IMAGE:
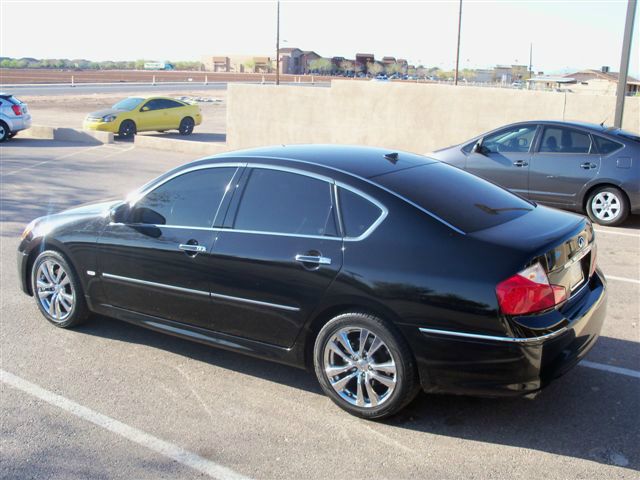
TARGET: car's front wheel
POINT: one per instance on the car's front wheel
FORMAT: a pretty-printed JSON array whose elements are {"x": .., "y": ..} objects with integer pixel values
[
  {"x": 127, "y": 129},
  {"x": 365, "y": 366},
  {"x": 57, "y": 290},
  {"x": 608, "y": 206},
  {"x": 186, "y": 126}
]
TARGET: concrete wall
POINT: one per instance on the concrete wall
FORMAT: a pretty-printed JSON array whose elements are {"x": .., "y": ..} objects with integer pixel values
[{"x": 413, "y": 117}]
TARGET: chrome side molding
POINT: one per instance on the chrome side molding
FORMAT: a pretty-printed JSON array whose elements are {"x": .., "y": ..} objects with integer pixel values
[{"x": 478, "y": 336}]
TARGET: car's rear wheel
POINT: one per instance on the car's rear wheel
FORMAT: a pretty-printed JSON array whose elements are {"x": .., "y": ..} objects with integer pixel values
[
  {"x": 608, "y": 206},
  {"x": 186, "y": 126},
  {"x": 57, "y": 290},
  {"x": 127, "y": 129},
  {"x": 4, "y": 132},
  {"x": 365, "y": 366}
]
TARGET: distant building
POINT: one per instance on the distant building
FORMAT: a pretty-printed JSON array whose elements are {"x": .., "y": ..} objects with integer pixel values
[
  {"x": 602, "y": 82},
  {"x": 362, "y": 59},
  {"x": 551, "y": 82},
  {"x": 484, "y": 75},
  {"x": 237, "y": 63}
]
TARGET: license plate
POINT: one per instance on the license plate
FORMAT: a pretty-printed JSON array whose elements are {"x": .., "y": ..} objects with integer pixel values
[{"x": 575, "y": 275}]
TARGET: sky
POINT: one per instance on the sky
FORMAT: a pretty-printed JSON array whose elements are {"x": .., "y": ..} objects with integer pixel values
[{"x": 566, "y": 35}]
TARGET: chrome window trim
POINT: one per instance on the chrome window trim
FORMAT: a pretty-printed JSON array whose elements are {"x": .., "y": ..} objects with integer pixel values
[
  {"x": 148, "y": 187},
  {"x": 199, "y": 292},
  {"x": 477, "y": 336},
  {"x": 377, "y": 185},
  {"x": 383, "y": 212},
  {"x": 278, "y": 234}
]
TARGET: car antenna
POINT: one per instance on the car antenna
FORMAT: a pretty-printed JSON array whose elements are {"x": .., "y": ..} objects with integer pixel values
[{"x": 392, "y": 157}]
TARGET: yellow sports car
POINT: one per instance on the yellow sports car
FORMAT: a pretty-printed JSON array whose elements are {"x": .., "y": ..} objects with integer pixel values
[{"x": 137, "y": 114}]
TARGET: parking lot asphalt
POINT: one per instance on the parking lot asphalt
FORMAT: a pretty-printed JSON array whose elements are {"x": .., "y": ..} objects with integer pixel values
[{"x": 112, "y": 400}]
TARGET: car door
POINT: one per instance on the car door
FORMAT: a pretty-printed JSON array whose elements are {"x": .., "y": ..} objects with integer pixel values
[
  {"x": 279, "y": 253},
  {"x": 155, "y": 262},
  {"x": 150, "y": 116},
  {"x": 503, "y": 157},
  {"x": 563, "y": 162}
]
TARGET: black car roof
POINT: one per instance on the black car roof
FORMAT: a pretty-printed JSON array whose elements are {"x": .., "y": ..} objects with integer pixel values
[{"x": 366, "y": 162}]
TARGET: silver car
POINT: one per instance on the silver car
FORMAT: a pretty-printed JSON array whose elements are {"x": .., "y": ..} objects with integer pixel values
[
  {"x": 575, "y": 166},
  {"x": 14, "y": 116}
]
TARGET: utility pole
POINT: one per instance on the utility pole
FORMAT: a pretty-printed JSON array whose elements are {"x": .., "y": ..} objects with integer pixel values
[
  {"x": 624, "y": 63},
  {"x": 530, "y": 60},
  {"x": 278, "y": 46},
  {"x": 455, "y": 80}
]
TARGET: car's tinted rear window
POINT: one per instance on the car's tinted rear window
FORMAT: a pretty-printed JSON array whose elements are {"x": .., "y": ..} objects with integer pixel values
[{"x": 457, "y": 197}]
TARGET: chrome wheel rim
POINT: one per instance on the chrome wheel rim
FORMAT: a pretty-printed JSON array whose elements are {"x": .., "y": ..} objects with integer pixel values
[
  {"x": 606, "y": 206},
  {"x": 360, "y": 367},
  {"x": 2, "y": 131},
  {"x": 54, "y": 289}
]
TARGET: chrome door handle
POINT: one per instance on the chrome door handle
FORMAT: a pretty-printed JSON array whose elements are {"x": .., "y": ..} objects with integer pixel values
[
  {"x": 313, "y": 259},
  {"x": 588, "y": 165},
  {"x": 192, "y": 248},
  {"x": 520, "y": 163}
]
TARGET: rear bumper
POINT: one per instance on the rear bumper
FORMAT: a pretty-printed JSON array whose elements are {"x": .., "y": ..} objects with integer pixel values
[
  {"x": 17, "y": 124},
  {"x": 497, "y": 366}
]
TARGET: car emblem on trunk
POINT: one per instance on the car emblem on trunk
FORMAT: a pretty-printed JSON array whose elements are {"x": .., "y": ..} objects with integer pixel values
[{"x": 581, "y": 242}]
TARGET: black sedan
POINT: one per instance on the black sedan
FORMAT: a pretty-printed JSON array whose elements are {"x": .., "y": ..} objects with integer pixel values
[
  {"x": 571, "y": 165},
  {"x": 384, "y": 271}
]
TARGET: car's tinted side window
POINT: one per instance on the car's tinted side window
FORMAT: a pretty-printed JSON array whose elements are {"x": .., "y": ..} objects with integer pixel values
[
  {"x": 564, "y": 140},
  {"x": 166, "y": 103},
  {"x": 515, "y": 139},
  {"x": 358, "y": 213},
  {"x": 284, "y": 202},
  {"x": 153, "y": 105},
  {"x": 189, "y": 200},
  {"x": 605, "y": 147}
]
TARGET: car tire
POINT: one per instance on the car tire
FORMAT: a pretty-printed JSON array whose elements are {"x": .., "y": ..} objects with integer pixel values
[
  {"x": 375, "y": 374},
  {"x": 127, "y": 129},
  {"x": 608, "y": 206},
  {"x": 57, "y": 290},
  {"x": 4, "y": 132},
  {"x": 186, "y": 126}
]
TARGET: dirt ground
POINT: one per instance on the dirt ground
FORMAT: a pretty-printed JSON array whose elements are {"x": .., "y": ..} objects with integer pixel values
[{"x": 70, "y": 111}]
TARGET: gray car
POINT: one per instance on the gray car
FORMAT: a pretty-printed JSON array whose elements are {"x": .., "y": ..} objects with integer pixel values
[
  {"x": 575, "y": 166},
  {"x": 14, "y": 116}
]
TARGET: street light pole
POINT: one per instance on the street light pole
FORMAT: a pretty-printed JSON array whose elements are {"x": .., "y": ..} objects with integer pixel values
[
  {"x": 455, "y": 80},
  {"x": 278, "y": 46},
  {"x": 624, "y": 63}
]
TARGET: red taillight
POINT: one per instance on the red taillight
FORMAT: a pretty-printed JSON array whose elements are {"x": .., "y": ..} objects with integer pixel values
[
  {"x": 528, "y": 292},
  {"x": 17, "y": 110}
]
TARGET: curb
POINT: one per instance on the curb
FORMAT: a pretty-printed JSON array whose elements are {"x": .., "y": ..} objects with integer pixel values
[
  {"x": 68, "y": 135},
  {"x": 182, "y": 146}
]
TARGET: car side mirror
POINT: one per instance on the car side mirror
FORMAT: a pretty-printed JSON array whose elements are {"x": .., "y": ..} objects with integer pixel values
[
  {"x": 477, "y": 148},
  {"x": 144, "y": 109},
  {"x": 120, "y": 213}
]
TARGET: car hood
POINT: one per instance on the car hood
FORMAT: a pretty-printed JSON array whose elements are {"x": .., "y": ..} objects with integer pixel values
[
  {"x": 94, "y": 211},
  {"x": 106, "y": 111}
]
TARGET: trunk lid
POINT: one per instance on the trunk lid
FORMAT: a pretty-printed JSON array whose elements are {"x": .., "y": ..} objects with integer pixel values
[{"x": 562, "y": 242}]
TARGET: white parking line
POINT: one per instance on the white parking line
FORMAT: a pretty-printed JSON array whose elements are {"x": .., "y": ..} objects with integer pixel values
[
  {"x": 609, "y": 232},
  {"x": 622, "y": 279},
  {"x": 84, "y": 150},
  {"x": 610, "y": 368},
  {"x": 156, "y": 444}
]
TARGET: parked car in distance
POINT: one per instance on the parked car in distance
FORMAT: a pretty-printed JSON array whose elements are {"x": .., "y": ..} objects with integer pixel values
[
  {"x": 139, "y": 114},
  {"x": 355, "y": 262},
  {"x": 575, "y": 166},
  {"x": 14, "y": 116}
]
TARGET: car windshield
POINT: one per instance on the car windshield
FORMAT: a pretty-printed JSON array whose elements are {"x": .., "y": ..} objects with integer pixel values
[
  {"x": 128, "y": 103},
  {"x": 459, "y": 198}
]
